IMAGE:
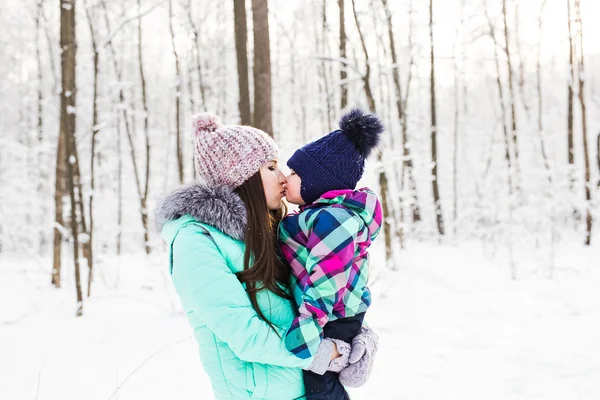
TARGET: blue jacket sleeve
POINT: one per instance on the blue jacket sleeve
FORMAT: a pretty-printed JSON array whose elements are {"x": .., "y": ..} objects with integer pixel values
[{"x": 207, "y": 286}]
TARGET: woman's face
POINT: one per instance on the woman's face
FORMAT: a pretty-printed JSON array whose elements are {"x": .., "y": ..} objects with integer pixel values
[
  {"x": 293, "y": 189},
  {"x": 274, "y": 184}
]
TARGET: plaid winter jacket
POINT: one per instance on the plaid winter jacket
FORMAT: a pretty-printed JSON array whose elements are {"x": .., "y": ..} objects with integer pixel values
[{"x": 326, "y": 246}]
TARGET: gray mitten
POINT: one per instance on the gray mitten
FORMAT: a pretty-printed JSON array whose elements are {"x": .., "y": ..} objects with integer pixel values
[
  {"x": 364, "y": 348},
  {"x": 322, "y": 360},
  {"x": 343, "y": 361}
]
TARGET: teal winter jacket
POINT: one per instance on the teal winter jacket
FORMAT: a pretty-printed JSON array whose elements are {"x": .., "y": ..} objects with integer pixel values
[{"x": 243, "y": 356}]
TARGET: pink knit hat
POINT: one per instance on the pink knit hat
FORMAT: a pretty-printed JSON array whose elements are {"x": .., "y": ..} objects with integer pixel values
[{"x": 229, "y": 154}]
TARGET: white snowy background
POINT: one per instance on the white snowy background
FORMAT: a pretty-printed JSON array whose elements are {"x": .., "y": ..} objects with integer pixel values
[{"x": 505, "y": 305}]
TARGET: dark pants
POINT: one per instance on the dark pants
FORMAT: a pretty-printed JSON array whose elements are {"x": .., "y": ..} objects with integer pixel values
[{"x": 328, "y": 386}]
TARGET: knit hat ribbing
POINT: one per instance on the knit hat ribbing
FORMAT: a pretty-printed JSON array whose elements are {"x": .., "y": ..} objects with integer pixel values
[{"x": 229, "y": 154}]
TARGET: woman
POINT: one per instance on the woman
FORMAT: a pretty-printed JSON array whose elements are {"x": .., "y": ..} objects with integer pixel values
[{"x": 224, "y": 265}]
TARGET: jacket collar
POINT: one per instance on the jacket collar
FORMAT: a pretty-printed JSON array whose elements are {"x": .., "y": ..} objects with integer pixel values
[{"x": 217, "y": 206}]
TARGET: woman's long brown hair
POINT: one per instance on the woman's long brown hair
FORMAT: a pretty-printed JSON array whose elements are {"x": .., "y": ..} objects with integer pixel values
[{"x": 263, "y": 268}]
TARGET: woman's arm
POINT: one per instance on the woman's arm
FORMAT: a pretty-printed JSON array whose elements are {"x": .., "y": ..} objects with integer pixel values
[{"x": 213, "y": 292}]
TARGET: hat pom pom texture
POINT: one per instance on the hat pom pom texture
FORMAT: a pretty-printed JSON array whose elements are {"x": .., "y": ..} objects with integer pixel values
[
  {"x": 205, "y": 122},
  {"x": 362, "y": 129}
]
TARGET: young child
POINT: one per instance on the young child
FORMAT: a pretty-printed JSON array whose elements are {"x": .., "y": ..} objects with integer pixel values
[{"x": 326, "y": 244}]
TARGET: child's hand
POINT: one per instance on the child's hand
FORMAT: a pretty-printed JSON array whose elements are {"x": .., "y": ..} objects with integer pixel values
[
  {"x": 335, "y": 353},
  {"x": 340, "y": 355},
  {"x": 332, "y": 355},
  {"x": 364, "y": 348}
]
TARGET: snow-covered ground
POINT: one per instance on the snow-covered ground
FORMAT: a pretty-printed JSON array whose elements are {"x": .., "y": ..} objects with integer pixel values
[{"x": 453, "y": 325}]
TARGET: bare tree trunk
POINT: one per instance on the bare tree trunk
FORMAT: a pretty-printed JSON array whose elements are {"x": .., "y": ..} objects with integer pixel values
[
  {"x": 82, "y": 230},
  {"x": 521, "y": 78},
  {"x": 367, "y": 75},
  {"x": 343, "y": 73},
  {"x": 143, "y": 193},
  {"x": 303, "y": 102},
  {"x": 383, "y": 180},
  {"x": 95, "y": 131},
  {"x": 190, "y": 86},
  {"x": 400, "y": 105},
  {"x": 198, "y": 48},
  {"x": 262, "y": 67},
  {"x": 513, "y": 117},
  {"x": 119, "y": 187},
  {"x": 59, "y": 192},
  {"x": 540, "y": 107},
  {"x": 223, "y": 63},
  {"x": 192, "y": 98},
  {"x": 325, "y": 69},
  {"x": 570, "y": 99},
  {"x": 434, "y": 181},
  {"x": 40, "y": 158},
  {"x": 502, "y": 105},
  {"x": 294, "y": 75},
  {"x": 51, "y": 44},
  {"x": 456, "y": 122},
  {"x": 180, "y": 167},
  {"x": 241, "y": 40},
  {"x": 124, "y": 115},
  {"x": 455, "y": 151},
  {"x": 77, "y": 217},
  {"x": 319, "y": 40},
  {"x": 598, "y": 156},
  {"x": 25, "y": 140},
  {"x": 408, "y": 157},
  {"x": 68, "y": 44},
  {"x": 581, "y": 78},
  {"x": 119, "y": 145}
]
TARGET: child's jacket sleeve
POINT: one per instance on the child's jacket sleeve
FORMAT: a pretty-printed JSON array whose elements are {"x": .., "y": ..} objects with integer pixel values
[{"x": 320, "y": 252}]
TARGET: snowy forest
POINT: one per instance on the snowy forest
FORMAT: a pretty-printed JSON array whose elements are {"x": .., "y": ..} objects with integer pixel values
[{"x": 488, "y": 175}]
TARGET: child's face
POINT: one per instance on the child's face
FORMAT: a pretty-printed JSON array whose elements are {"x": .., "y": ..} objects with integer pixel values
[
  {"x": 293, "y": 189},
  {"x": 273, "y": 184}
]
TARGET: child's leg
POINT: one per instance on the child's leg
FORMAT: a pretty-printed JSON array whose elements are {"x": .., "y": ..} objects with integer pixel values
[
  {"x": 328, "y": 386},
  {"x": 324, "y": 387}
]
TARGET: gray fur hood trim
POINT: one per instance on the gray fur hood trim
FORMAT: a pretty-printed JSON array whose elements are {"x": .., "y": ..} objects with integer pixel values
[{"x": 216, "y": 206}]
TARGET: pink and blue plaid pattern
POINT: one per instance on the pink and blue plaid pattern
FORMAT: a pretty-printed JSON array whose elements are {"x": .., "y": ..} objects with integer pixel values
[{"x": 326, "y": 246}]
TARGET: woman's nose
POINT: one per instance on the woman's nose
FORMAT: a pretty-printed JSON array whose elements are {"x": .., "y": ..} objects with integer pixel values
[{"x": 282, "y": 178}]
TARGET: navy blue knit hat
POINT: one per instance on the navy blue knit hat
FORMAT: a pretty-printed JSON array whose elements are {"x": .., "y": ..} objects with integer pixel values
[{"x": 337, "y": 161}]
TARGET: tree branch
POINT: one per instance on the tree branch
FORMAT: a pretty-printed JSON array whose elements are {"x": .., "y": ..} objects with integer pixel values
[{"x": 125, "y": 22}]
